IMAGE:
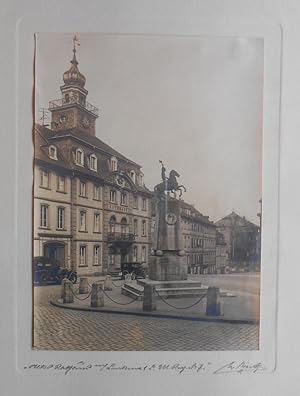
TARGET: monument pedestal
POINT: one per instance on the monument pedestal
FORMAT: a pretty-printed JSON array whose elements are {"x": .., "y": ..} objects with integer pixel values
[{"x": 168, "y": 267}]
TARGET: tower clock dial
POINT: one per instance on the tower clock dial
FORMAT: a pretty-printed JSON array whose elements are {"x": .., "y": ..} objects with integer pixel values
[{"x": 63, "y": 119}]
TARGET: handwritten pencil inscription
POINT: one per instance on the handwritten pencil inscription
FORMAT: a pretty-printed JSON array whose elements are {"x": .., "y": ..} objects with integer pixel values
[{"x": 232, "y": 367}]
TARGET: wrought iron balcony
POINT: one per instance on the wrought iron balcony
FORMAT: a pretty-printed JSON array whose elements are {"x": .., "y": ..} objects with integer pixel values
[
  {"x": 120, "y": 237},
  {"x": 57, "y": 103}
]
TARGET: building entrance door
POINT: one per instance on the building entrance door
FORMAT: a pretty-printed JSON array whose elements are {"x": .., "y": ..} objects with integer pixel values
[{"x": 55, "y": 250}]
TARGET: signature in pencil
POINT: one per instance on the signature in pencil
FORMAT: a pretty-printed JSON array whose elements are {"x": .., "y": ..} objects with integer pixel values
[{"x": 240, "y": 368}]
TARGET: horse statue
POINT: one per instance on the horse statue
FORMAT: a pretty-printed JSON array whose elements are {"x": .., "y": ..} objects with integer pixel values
[{"x": 169, "y": 184}]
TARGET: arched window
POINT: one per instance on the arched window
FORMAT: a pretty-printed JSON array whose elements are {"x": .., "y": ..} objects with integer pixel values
[
  {"x": 79, "y": 157},
  {"x": 112, "y": 224},
  {"x": 124, "y": 225},
  {"x": 93, "y": 162},
  {"x": 113, "y": 164},
  {"x": 67, "y": 98},
  {"x": 53, "y": 152}
]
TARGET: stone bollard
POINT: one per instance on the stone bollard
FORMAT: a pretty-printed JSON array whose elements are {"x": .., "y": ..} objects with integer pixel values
[
  {"x": 212, "y": 302},
  {"x": 83, "y": 286},
  {"x": 128, "y": 278},
  {"x": 149, "y": 300},
  {"x": 67, "y": 292},
  {"x": 97, "y": 296},
  {"x": 108, "y": 283}
]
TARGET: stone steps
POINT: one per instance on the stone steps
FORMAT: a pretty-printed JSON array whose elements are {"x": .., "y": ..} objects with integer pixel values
[
  {"x": 171, "y": 284},
  {"x": 135, "y": 290}
]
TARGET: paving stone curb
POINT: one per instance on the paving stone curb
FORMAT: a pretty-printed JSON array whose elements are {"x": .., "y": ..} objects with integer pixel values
[{"x": 75, "y": 307}]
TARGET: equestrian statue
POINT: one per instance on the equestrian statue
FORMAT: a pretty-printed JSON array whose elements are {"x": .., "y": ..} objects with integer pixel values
[{"x": 168, "y": 184}]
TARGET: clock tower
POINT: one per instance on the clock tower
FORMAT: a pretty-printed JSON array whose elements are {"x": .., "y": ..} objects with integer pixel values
[{"x": 73, "y": 110}]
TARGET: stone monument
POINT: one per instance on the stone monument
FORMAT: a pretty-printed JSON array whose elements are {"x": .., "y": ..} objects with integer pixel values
[
  {"x": 167, "y": 264},
  {"x": 168, "y": 261}
]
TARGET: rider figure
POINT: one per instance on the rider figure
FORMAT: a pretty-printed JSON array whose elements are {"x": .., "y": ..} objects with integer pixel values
[{"x": 163, "y": 171}]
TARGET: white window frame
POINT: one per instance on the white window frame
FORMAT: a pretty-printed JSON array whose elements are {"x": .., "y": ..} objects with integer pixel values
[
  {"x": 144, "y": 204},
  {"x": 141, "y": 179},
  {"x": 97, "y": 192},
  {"x": 82, "y": 220},
  {"x": 82, "y": 255},
  {"x": 93, "y": 162},
  {"x": 112, "y": 194},
  {"x": 124, "y": 198},
  {"x": 61, "y": 213},
  {"x": 135, "y": 227},
  {"x": 44, "y": 216},
  {"x": 135, "y": 254},
  {"x": 54, "y": 156},
  {"x": 143, "y": 253},
  {"x": 59, "y": 177},
  {"x": 144, "y": 228},
  {"x": 79, "y": 161},
  {"x": 133, "y": 176},
  {"x": 45, "y": 178},
  {"x": 135, "y": 202},
  {"x": 96, "y": 254},
  {"x": 97, "y": 222},
  {"x": 82, "y": 188},
  {"x": 113, "y": 164},
  {"x": 112, "y": 225}
]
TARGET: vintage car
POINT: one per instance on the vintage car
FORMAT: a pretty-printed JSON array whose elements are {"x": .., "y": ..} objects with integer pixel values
[
  {"x": 136, "y": 269},
  {"x": 49, "y": 271}
]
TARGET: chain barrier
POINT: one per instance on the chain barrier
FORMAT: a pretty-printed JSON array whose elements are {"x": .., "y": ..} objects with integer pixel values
[
  {"x": 173, "y": 306},
  {"x": 81, "y": 299},
  {"x": 90, "y": 285},
  {"x": 114, "y": 284},
  {"x": 116, "y": 302}
]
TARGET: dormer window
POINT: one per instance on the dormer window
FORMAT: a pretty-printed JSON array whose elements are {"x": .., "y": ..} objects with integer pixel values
[
  {"x": 53, "y": 152},
  {"x": 93, "y": 162},
  {"x": 133, "y": 176},
  {"x": 113, "y": 164},
  {"x": 141, "y": 179},
  {"x": 79, "y": 157}
]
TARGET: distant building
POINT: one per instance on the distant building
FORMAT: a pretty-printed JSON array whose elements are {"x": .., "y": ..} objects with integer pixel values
[
  {"x": 91, "y": 207},
  {"x": 242, "y": 240},
  {"x": 221, "y": 254},
  {"x": 199, "y": 239}
]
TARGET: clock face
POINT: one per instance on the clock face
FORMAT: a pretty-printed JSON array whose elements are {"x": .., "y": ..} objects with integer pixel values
[
  {"x": 120, "y": 181},
  {"x": 171, "y": 218},
  {"x": 63, "y": 119},
  {"x": 86, "y": 122}
]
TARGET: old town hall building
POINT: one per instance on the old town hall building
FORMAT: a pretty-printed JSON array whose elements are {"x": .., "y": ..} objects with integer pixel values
[{"x": 91, "y": 207}]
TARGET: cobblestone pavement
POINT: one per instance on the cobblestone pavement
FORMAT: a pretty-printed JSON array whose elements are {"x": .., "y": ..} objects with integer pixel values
[{"x": 61, "y": 329}]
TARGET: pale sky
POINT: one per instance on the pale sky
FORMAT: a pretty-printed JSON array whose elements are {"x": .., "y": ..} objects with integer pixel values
[{"x": 193, "y": 102}]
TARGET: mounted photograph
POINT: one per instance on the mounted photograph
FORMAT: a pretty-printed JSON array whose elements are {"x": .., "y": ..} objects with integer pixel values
[{"x": 147, "y": 192}]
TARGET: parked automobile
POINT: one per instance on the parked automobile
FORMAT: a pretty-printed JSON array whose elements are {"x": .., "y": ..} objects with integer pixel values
[
  {"x": 136, "y": 269},
  {"x": 49, "y": 271}
]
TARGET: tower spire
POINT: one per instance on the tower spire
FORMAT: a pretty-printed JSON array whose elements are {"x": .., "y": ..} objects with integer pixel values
[{"x": 75, "y": 42}]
